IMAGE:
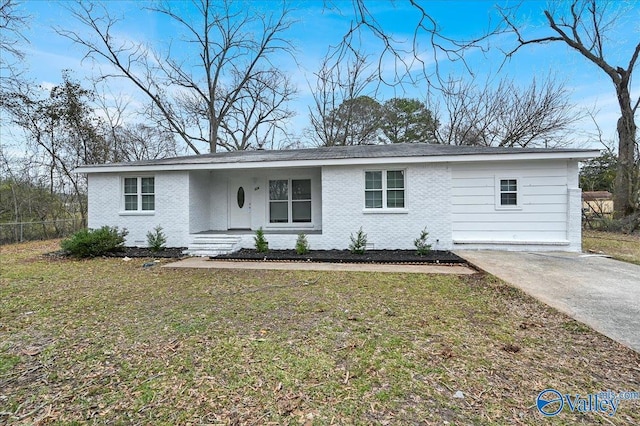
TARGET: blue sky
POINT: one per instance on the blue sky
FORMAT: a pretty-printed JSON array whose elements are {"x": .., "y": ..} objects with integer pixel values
[{"x": 47, "y": 53}]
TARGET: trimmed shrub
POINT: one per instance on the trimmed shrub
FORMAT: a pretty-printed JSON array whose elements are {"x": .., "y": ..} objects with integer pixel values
[
  {"x": 262, "y": 245},
  {"x": 302, "y": 245},
  {"x": 95, "y": 242},
  {"x": 156, "y": 239},
  {"x": 422, "y": 247},
  {"x": 358, "y": 243}
]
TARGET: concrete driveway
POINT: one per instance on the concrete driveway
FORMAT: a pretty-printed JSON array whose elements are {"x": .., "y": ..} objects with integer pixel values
[{"x": 600, "y": 292}]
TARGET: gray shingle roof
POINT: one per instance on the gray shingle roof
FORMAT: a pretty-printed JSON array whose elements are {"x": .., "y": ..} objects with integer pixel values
[{"x": 339, "y": 152}]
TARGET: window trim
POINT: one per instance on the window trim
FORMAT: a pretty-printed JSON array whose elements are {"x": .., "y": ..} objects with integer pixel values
[
  {"x": 139, "y": 195},
  {"x": 290, "y": 223},
  {"x": 499, "y": 192},
  {"x": 385, "y": 208}
]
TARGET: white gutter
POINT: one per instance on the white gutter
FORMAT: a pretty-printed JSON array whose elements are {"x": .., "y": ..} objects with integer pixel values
[{"x": 468, "y": 158}]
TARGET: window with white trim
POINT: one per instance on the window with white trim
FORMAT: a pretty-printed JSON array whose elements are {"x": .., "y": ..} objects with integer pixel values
[
  {"x": 290, "y": 201},
  {"x": 139, "y": 194},
  {"x": 508, "y": 192},
  {"x": 384, "y": 189}
]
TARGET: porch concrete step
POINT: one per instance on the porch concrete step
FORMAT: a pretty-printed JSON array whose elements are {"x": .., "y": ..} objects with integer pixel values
[{"x": 212, "y": 245}]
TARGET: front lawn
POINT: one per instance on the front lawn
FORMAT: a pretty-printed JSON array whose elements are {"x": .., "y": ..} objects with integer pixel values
[{"x": 108, "y": 341}]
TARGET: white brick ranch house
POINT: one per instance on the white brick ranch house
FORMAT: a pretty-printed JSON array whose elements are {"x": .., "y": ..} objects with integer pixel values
[{"x": 466, "y": 197}]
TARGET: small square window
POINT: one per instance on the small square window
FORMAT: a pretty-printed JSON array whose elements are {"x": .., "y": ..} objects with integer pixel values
[
  {"x": 384, "y": 189},
  {"x": 508, "y": 192},
  {"x": 139, "y": 194}
]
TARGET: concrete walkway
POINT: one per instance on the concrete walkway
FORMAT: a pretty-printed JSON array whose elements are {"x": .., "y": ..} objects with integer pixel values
[
  {"x": 202, "y": 262},
  {"x": 600, "y": 292}
]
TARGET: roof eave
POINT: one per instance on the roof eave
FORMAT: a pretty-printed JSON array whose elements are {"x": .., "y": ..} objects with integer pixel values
[{"x": 458, "y": 158}]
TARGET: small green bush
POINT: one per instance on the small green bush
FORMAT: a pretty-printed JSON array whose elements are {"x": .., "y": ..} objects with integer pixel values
[
  {"x": 302, "y": 245},
  {"x": 422, "y": 247},
  {"x": 156, "y": 239},
  {"x": 95, "y": 242},
  {"x": 262, "y": 245},
  {"x": 358, "y": 243}
]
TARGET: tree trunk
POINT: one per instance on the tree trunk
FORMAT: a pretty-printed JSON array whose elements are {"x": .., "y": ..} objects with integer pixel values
[
  {"x": 625, "y": 199},
  {"x": 213, "y": 136}
]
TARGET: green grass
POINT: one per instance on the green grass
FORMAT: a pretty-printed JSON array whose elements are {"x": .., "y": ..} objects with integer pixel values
[
  {"x": 619, "y": 246},
  {"x": 106, "y": 341}
]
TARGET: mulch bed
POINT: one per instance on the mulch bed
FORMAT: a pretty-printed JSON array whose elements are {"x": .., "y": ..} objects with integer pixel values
[
  {"x": 133, "y": 252},
  {"x": 168, "y": 253},
  {"x": 328, "y": 256},
  {"x": 345, "y": 256}
]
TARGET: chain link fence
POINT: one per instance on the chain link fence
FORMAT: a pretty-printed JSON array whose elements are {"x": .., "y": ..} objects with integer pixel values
[{"x": 15, "y": 232}]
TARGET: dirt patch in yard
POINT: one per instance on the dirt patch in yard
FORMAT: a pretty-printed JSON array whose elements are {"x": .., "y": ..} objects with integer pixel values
[{"x": 345, "y": 256}]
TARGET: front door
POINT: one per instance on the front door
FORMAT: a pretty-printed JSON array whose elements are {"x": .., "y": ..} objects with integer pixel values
[{"x": 239, "y": 203}]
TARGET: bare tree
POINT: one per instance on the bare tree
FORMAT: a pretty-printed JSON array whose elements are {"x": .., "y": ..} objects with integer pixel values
[
  {"x": 584, "y": 28},
  {"x": 12, "y": 24},
  {"x": 126, "y": 138},
  {"x": 411, "y": 59},
  {"x": 336, "y": 85},
  {"x": 260, "y": 114},
  {"x": 63, "y": 133},
  {"x": 506, "y": 115},
  {"x": 200, "y": 100},
  {"x": 138, "y": 141}
]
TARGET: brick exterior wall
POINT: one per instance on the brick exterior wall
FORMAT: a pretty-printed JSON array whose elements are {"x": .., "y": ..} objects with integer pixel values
[
  {"x": 189, "y": 202},
  {"x": 427, "y": 204},
  {"x": 171, "y": 207},
  {"x": 574, "y": 207},
  {"x": 199, "y": 201}
]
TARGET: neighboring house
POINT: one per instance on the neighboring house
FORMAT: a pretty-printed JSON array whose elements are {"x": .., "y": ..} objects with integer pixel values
[
  {"x": 466, "y": 197},
  {"x": 597, "y": 203}
]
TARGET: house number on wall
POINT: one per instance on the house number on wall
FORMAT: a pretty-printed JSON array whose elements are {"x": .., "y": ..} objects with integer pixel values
[{"x": 240, "y": 197}]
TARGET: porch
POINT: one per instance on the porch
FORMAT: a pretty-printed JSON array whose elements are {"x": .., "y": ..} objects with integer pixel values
[
  {"x": 234, "y": 202},
  {"x": 216, "y": 242}
]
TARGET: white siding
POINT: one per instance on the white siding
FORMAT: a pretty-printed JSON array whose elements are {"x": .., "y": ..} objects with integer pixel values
[{"x": 541, "y": 219}]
